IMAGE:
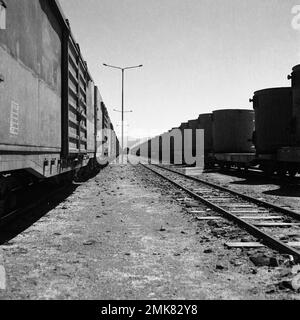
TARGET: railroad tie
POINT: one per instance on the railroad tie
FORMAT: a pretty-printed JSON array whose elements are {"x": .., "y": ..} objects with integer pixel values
[
  {"x": 237, "y": 205},
  {"x": 242, "y": 217},
  {"x": 197, "y": 211},
  {"x": 209, "y": 218},
  {"x": 276, "y": 224},
  {"x": 266, "y": 212},
  {"x": 244, "y": 244},
  {"x": 224, "y": 198},
  {"x": 249, "y": 211},
  {"x": 294, "y": 244},
  {"x": 185, "y": 199},
  {"x": 261, "y": 217}
]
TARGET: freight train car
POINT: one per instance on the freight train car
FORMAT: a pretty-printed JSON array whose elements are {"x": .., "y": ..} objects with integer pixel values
[
  {"x": 203, "y": 122},
  {"x": 273, "y": 119},
  {"x": 289, "y": 156},
  {"x": 232, "y": 138},
  {"x": 108, "y": 146},
  {"x": 277, "y": 136},
  {"x": 49, "y": 116},
  {"x": 268, "y": 137}
]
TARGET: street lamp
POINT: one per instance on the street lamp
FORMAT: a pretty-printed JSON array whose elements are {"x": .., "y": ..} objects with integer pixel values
[
  {"x": 130, "y": 111},
  {"x": 123, "y": 111}
]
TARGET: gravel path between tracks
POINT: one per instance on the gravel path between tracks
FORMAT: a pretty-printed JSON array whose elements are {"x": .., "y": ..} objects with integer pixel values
[
  {"x": 123, "y": 235},
  {"x": 277, "y": 192}
]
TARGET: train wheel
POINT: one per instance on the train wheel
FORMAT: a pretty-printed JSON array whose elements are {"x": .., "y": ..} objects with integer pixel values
[
  {"x": 281, "y": 172},
  {"x": 8, "y": 197},
  {"x": 12, "y": 201},
  {"x": 2, "y": 208},
  {"x": 8, "y": 203},
  {"x": 69, "y": 177},
  {"x": 268, "y": 171},
  {"x": 292, "y": 172},
  {"x": 3, "y": 193},
  {"x": 227, "y": 167},
  {"x": 82, "y": 174},
  {"x": 55, "y": 181}
]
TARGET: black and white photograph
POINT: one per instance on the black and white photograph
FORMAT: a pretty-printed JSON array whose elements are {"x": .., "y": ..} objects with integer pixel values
[{"x": 149, "y": 151}]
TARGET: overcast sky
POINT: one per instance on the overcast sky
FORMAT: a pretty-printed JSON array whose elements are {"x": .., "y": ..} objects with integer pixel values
[{"x": 198, "y": 55}]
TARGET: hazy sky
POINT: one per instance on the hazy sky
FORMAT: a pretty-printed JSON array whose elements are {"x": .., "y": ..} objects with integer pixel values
[{"x": 198, "y": 55}]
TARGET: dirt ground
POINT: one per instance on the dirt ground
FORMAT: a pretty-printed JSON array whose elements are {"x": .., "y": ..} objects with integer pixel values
[{"x": 125, "y": 235}]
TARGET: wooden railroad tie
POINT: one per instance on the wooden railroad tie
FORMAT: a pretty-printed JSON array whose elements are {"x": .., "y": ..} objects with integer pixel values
[{"x": 294, "y": 244}]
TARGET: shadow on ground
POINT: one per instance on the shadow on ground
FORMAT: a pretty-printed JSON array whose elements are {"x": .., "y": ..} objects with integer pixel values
[
  {"x": 292, "y": 191},
  {"x": 19, "y": 224}
]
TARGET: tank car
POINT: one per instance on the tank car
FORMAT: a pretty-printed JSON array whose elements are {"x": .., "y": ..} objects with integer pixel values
[
  {"x": 180, "y": 148},
  {"x": 232, "y": 138},
  {"x": 275, "y": 134},
  {"x": 205, "y": 123},
  {"x": 288, "y": 154},
  {"x": 193, "y": 125}
]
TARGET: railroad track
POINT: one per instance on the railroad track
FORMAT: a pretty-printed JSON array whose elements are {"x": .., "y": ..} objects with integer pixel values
[{"x": 265, "y": 221}]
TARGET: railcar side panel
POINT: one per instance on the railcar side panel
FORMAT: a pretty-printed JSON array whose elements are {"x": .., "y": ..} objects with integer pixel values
[
  {"x": 77, "y": 108},
  {"x": 91, "y": 114},
  {"x": 30, "y": 64}
]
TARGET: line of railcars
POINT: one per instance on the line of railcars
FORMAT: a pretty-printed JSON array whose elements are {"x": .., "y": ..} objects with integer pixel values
[
  {"x": 267, "y": 137},
  {"x": 54, "y": 123}
]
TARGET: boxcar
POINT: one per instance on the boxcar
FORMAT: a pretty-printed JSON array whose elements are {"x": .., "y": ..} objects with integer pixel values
[{"x": 49, "y": 115}]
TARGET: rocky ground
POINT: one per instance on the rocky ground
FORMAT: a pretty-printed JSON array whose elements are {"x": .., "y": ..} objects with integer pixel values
[{"x": 126, "y": 235}]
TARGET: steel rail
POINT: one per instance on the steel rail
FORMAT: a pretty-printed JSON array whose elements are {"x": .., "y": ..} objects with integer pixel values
[
  {"x": 257, "y": 233},
  {"x": 262, "y": 203}
]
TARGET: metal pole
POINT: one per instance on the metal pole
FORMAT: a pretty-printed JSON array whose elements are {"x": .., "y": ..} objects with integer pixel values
[
  {"x": 123, "y": 111},
  {"x": 123, "y": 116}
]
